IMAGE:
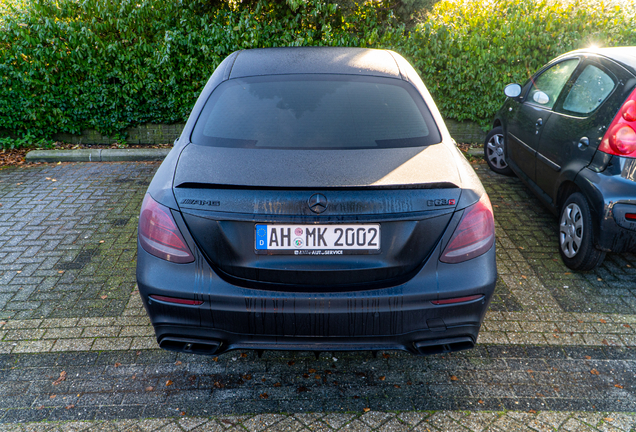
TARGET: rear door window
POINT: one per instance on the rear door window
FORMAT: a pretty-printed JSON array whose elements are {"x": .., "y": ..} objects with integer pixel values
[
  {"x": 589, "y": 91},
  {"x": 315, "y": 112},
  {"x": 547, "y": 86}
]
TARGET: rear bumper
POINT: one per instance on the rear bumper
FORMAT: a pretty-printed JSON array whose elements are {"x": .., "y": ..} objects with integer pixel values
[
  {"x": 612, "y": 194},
  {"x": 395, "y": 318}
]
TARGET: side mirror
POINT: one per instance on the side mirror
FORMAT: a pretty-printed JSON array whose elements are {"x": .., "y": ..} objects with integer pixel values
[
  {"x": 512, "y": 90},
  {"x": 541, "y": 98}
]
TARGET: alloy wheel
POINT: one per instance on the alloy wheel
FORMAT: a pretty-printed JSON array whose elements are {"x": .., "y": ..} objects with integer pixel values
[{"x": 571, "y": 230}]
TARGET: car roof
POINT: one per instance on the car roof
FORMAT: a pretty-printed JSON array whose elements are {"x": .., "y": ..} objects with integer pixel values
[
  {"x": 314, "y": 60},
  {"x": 626, "y": 56}
]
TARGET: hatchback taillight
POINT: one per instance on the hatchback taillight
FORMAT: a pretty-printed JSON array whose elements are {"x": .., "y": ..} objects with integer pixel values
[
  {"x": 474, "y": 235},
  {"x": 620, "y": 138},
  {"x": 159, "y": 234}
]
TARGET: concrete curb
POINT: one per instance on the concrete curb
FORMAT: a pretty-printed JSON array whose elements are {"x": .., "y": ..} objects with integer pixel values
[{"x": 98, "y": 155}]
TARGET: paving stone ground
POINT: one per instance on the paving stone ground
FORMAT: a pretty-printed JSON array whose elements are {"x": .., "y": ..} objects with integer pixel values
[{"x": 557, "y": 350}]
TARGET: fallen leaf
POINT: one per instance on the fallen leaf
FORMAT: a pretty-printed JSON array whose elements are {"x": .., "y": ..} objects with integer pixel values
[
  {"x": 382, "y": 378},
  {"x": 150, "y": 388},
  {"x": 580, "y": 321},
  {"x": 317, "y": 377},
  {"x": 216, "y": 359},
  {"x": 178, "y": 362},
  {"x": 588, "y": 357},
  {"x": 608, "y": 419},
  {"x": 366, "y": 409},
  {"x": 101, "y": 241},
  {"x": 263, "y": 379},
  {"x": 523, "y": 277},
  {"x": 138, "y": 353},
  {"x": 169, "y": 383},
  {"x": 264, "y": 395},
  {"x": 247, "y": 377},
  {"x": 117, "y": 364},
  {"x": 243, "y": 355},
  {"x": 103, "y": 297},
  {"x": 291, "y": 363},
  {"x": 627, "y": 326},
  {"x": 61, "y": 378},
  {"x": 453, "y": 378},
  {"x": 618, "y": 386},
  {"x": 52, "y": 396},
  {"x": 277, "y": 384},
  {"x": 70, "y": 406},
  {"x": 61, "y": 271},
  {"x": 305, "y": 375},
  {"x": 595, "y": 372},
  {"x": 396, "y": 386},
  {"x": 599, "y": 279},
  {"x": 480, "y": 401},
  {"x": 312, "y": 370},
  {"x": 604, "y": 342},
  {"x": 385, "y": 355},
  {"x": 530, "y": 371},
  {"x": 183, "y": 413},
  {"x": 602, "y": 320},
  {"x": 532, "y": 411}
]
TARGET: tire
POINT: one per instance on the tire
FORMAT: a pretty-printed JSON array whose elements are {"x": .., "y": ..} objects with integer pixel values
[
  {"x": 576, "y": 235},
  {"x": 494, "y": 147}
]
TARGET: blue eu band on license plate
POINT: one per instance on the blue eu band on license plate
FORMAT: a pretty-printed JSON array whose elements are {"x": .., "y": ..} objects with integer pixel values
[{"x": 317, "y": 239}]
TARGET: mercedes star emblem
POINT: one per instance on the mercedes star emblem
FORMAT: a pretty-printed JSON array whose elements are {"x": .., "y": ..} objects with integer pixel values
[{"x": 317, "y": 203}]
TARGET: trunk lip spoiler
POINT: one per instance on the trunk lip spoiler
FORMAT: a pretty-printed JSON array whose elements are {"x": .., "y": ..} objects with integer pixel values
[{"x": 432, "y": 185}]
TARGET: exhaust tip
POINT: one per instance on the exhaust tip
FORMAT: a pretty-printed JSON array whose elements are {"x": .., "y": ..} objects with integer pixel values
[
  {"x": 190, "y": 346},
  {"x": 428, "y": 347}
]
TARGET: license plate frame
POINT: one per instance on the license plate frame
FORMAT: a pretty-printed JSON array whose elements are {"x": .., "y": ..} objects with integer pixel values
[{"x": 317, "y": 239}]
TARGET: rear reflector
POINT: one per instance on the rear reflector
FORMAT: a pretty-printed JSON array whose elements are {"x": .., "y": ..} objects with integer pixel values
[
  {"x": 620, "y": 138},
  {"x": 457, "y": 300},
  {"x": 474, "y": 235},
  {"x": 159, "y": 234},
  {"x": 630, "y": 216},
  {"x": 176, "y": 300}
]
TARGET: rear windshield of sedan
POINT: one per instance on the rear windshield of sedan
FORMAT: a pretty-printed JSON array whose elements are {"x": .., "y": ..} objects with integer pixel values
[{"x": 315, "y": 112}]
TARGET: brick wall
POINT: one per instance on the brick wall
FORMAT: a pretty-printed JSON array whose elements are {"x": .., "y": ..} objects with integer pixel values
[{"x": 151, "y": 134}]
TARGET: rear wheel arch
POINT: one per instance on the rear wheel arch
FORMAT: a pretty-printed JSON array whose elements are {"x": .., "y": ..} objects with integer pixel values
[{"x": 566, "y": 189}]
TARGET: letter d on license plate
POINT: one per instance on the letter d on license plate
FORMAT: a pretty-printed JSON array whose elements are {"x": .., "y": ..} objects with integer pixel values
[{"x": 317, "y": 239}]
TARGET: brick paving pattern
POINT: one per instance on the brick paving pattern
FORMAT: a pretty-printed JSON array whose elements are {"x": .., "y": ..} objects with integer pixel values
[{"x": 557, "y": 350}]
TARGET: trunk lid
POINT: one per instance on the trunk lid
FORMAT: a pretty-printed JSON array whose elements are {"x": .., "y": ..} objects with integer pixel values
[{"x": 411, "y": 203}]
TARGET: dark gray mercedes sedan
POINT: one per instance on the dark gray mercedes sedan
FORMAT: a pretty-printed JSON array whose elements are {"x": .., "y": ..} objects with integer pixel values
[{"x": 315, "y": 201}]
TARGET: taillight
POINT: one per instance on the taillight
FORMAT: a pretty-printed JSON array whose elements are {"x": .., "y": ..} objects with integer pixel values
[
  {"x": 159, "y": 235},
  {"x": 620, "y": 138},
  {"x": 474, "y": 235}
]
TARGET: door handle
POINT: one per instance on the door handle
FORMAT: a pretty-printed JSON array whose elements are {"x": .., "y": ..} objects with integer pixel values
[
  {"x": 539, "y": 122},
  {"x": 583, "y": 143}
]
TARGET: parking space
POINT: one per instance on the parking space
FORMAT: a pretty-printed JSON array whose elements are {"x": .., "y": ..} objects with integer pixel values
[{"x": 557, "y": 349}]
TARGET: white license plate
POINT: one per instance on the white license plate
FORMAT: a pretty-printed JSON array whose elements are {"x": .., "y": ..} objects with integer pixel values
[{"x": 317, "y": 239}]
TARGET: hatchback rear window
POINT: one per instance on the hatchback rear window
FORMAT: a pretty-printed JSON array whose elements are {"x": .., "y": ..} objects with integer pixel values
[{"x": 315, "y": 112}]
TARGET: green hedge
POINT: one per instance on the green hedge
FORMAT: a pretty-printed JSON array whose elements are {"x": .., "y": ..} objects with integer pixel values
[{"x": 68, "y": 65}]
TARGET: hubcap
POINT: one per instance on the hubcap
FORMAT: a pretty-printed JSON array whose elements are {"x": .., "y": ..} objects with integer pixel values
[
  {"x": 571, "y": 230},
  {"x": 495, "y": 151}
]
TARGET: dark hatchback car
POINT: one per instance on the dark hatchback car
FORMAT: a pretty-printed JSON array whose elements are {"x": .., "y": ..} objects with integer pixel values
[
  {"x": 570, "y": 134},
  {"x": 315, "y": 201}
]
